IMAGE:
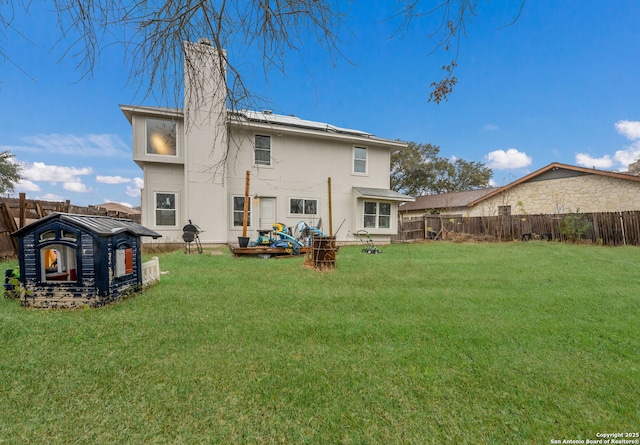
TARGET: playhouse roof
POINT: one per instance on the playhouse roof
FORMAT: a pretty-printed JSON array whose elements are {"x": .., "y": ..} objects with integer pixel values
[{"x": 99, "y": 225}]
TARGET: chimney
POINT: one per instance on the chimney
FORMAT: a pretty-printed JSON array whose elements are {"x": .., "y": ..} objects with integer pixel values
[{"x": 634, "y": 168}]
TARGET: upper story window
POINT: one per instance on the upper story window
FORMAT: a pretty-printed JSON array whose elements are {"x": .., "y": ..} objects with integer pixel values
[
  {"x": 359, "y": 160},
  {"x": 299, "y": 206},
  {"x": 504, "y": 210},
  {"x": 262, "y": 150},
  {"x": 166, "y": 209},
  {"x": 161, "y": 137}
]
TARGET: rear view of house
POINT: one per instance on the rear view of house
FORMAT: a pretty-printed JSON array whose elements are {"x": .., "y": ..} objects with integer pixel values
[{"x": 195, "y": 162}]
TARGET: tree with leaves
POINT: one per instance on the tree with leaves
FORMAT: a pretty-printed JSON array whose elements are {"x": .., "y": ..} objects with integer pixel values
[
  {"x": 10, "y": 172},
  {"x": 419, "y": 170}
]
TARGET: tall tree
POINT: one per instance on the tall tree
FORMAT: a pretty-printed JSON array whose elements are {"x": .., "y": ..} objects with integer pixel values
[
  {"x": 419, "y": 170},
  {"x": 10, "y": 172},
  {"x": 153, "y": 31}
]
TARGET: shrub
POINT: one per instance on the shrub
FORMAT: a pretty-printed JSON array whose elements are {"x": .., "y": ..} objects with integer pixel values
[{"x": 575, "y": 226}]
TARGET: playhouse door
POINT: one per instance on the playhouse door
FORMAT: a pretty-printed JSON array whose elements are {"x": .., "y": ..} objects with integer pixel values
[{"x": 267, "y": 212}]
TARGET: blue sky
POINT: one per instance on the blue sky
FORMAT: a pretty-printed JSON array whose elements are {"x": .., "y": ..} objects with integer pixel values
[{"x": 560, "y": 85}]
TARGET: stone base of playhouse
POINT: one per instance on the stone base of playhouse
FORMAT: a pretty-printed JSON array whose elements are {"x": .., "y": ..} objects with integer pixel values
[{"x": 69, "y": 301}]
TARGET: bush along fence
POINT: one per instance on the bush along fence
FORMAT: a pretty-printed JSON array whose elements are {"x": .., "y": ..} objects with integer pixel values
[
  {"x": 18, "y": 212},
  {"x": 610, "y": 229}
]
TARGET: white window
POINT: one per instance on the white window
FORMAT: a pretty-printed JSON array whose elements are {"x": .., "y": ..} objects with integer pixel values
[
  {"x": 262, "y": 150},
  {"x": 302, "y": 206},
  {"x": 165, "y": 209},
  {"x": 238, "y": 211},
  {"x": 161, "y": 137},
  {"x": 359, "y": 160},
  {"x": 377, "y": 215},
  {"x": 124, "y": 261}
]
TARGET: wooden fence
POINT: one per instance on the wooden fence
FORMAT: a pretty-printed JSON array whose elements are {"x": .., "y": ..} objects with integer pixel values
[
  {"x": 18, "y": 212},
  {"x": 610, "y": 229}
]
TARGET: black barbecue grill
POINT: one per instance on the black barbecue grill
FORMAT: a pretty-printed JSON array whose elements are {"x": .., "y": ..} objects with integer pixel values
[{"x": 189, "y": 235}]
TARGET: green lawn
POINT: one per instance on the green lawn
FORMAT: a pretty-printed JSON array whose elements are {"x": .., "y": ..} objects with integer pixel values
[{"x": 441, "y": 343}]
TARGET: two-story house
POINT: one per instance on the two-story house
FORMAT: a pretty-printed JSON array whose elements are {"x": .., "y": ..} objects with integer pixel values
[{"x": 195, "y": 162}]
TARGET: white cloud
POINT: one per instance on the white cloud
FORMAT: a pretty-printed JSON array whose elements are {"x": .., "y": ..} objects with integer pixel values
[
  {"x": 39, "y": 171},
  {"x": 489, "y": 127},
  {"x": 51, "y": 197},
  {"x": 77, "y": 187},
  {"x": 70, "y": 177},
  {"x": 103, "y": 145},
  {"x": 112, "y": 179},
  {"x": 138, "y": 182},
  {"x": 629, "y": 155},
  {"x": 134, "y": 192},
  {"x": 25, "y": 186},
  {"x": 512, "y": 158},
  {"x": 605, "y": 162},
  {"x": 621, "y": 158},
  {"x": 629, "y": 129}
]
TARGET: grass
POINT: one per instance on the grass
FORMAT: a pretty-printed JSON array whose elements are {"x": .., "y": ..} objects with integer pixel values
[{"x": 426, "y": 343}]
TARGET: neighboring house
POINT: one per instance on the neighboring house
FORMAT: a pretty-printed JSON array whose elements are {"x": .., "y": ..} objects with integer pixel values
[
  {"x": 194, "y": 162},
  {"x": 554, "y": 189},
  {"x": 450, "y": 204},
  {"x": 69, "y": 260},
  {"x": 120, "y": 208}
]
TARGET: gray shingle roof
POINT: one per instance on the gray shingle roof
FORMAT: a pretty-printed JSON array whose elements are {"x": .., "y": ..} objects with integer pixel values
[
  {"x": 99, "y": 225},
  {"x": 366, "y": 192},
  {"x": 446, "y": 200}
]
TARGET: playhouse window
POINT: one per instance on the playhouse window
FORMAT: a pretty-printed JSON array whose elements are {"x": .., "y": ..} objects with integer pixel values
[
  {"x": 263, "y": 150},
  {"x": 238, "y": 211},
  {"x": 49, "y": 234},
  {"x": 69, "y": 235},
  {"x": 377, "y": 215},
  {"x": 165, "y": 209},
  {"x": 58, "y": 263},
  {"x": 299, "y": 206},
  {"x": 161, "y": 137},
  {"x": 124, "y": 261}
]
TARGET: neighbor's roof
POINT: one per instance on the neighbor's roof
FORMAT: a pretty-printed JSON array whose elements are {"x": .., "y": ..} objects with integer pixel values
[
  {"x": 99, "y": 225},
  {"x": 374, "y": 193},
  {"x": 445, "y": 200},
  {"x": 115, "y": 207},
  {"x": 556, "y": 170}
]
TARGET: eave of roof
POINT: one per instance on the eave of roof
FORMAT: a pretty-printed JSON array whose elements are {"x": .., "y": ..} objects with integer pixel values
[
  {"x": 265, "y": 120},
  {"x": 130, "y": 110},
  {"x": 376, "y": 193},
  {"x": 555, "y": 166}
]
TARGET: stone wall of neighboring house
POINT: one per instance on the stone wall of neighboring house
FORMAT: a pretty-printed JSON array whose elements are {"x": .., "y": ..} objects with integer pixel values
[{"x": 587, "y": 193}]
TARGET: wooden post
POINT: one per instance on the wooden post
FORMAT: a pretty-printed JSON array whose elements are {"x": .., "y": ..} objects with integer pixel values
[
  {"x": 23, "y": 209},
  {"x": 11, "y": 224},
  {"x": 330, "y": 209},
  {"x": 245, "y": 216},
  {"x": 40, "y": 209}
]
